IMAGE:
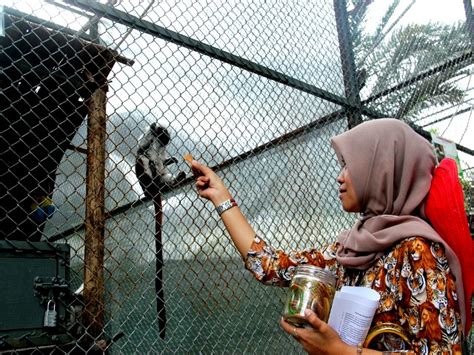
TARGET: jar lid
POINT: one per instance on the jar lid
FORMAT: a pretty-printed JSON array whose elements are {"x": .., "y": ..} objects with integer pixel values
[{"x": 316, "y": 271}]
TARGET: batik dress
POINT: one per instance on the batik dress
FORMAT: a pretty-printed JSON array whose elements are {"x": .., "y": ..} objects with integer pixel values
[{"x": 417, "y": 290}]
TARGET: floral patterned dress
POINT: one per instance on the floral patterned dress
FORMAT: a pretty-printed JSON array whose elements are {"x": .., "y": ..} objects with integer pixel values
[{"x": 416, "y": 287}]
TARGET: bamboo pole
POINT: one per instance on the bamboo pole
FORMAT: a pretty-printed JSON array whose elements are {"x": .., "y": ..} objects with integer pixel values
[{"x": 93, "y": 316}]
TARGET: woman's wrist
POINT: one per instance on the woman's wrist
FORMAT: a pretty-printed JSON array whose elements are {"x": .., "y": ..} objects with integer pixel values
[
  {"x": 345, "y": 348},
  {"x": 220, "y": 198}
]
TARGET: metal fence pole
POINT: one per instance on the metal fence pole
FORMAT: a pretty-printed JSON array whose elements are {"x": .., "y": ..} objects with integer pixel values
[
  {"x": 469, "y": 23},
  {"x": 349, "y": 73}
]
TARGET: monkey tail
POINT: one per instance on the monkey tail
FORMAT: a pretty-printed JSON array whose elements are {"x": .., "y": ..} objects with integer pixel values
[
  {"x": 152, "y": 190},
  {"x": 160, "y": 296}
]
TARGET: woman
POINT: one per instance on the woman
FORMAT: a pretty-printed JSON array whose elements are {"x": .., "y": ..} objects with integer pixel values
[{"x": 386, "y": 175}]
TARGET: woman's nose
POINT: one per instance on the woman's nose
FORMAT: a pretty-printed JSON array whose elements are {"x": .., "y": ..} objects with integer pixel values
[{"x": 340, "y": 177}]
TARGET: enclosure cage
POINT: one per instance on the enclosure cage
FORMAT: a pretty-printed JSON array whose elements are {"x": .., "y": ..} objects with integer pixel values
[{"x": 255, "y": 90}]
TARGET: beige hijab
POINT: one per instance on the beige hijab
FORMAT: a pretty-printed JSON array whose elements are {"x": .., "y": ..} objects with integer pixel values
[{"x": 391, "y": 168}]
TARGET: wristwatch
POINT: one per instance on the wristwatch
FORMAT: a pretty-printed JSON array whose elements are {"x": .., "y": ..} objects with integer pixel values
[{"x": 224, "y": 206}]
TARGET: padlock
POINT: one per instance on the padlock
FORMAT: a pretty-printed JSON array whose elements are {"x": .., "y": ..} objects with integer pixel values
[{"x": 50, "y": 315}]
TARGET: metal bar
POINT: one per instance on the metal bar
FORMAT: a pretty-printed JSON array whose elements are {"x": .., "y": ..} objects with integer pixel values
[
  {"x": 452, "y": 62},
  {"x": 130, "y": 29},
  {"x": 427, "y": 135},
  {"x": 469, "y": 22},
  {"x": 351, "y": 84},
  {"x": 435, "y": 113},
  {"x": 467, "y": 109},
  {"x": 93, "y": 24},
  {"x": 39, "y": 21},
  {"x": 213, "y": 52},
  {"x": 68, "y": 32},
  {"x": 94, "y": 31},
  {"x": 93, "y": 315},
  {"x": 68, "y": 8}
]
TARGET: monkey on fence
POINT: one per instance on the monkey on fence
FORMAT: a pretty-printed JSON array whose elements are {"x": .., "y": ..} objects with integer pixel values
[
  {"x": 151, "y": 165},
  {"x": 153, "y": 176}
]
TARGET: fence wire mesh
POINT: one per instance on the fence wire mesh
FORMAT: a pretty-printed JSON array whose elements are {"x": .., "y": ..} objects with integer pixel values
[{"x": 253, "y": 89}]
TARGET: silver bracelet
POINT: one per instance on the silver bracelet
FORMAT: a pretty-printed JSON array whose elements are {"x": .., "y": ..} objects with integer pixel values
[{"x": 226, "y": 205}]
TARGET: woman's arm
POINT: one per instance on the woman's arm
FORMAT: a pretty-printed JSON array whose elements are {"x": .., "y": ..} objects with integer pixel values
[
  {"x": 268, "y": 265},
  {"x": 211, "y": 187}
]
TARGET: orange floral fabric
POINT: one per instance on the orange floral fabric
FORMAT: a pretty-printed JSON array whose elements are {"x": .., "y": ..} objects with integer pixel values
[{"x": 416, "y": 287}]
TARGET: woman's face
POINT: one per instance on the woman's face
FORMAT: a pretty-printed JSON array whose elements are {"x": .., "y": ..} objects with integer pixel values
[{"x": 347, "y": 194}]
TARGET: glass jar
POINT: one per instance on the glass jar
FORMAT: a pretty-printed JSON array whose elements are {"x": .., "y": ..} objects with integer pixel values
[{"x": 311, "y": 287}]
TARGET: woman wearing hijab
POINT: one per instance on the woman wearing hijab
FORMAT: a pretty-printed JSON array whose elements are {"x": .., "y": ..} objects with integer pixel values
[{"x": 386, "y": 175}]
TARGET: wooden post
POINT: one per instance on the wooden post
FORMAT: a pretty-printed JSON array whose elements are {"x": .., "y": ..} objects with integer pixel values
[{"x": 93, "y": 315}]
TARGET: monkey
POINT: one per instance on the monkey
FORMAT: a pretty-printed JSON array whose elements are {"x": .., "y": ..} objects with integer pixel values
[
  {"x": 153, "y": 176},
  {"x": 151, "y": 165}
]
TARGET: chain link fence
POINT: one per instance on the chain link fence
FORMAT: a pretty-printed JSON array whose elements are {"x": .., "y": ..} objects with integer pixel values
[{"x": 254, "y": 90}]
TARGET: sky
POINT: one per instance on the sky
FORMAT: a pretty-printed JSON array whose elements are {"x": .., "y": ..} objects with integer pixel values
[
  {"x": 424, "y": 11},
  {"x": 459, "y": 129}
]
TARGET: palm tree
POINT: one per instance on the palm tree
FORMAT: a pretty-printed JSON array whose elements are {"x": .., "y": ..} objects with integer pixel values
[
  {"x": 387, "y": 58},
  {"x": 385, "y": 61}
]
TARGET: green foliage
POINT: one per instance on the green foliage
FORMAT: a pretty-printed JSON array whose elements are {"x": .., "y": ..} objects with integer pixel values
[
  {"x": 390, "y": 57},
  {"x": 434, "y": 130}
]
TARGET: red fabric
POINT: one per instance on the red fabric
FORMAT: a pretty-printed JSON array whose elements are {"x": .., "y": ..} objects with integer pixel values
[{"x": 445, "y": 210}]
